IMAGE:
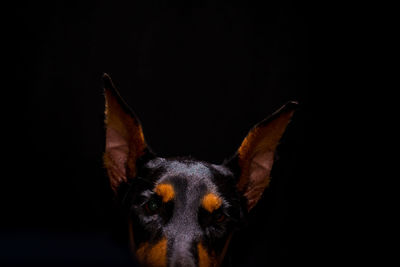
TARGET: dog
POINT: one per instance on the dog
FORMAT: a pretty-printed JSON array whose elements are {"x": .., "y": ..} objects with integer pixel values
[{"x": 182, "y": 211}]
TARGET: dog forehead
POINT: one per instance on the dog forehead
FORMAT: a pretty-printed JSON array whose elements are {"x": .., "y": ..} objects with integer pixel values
[
  {"x": 188, "y": 169},
  {"x": 191, "y": 172}
]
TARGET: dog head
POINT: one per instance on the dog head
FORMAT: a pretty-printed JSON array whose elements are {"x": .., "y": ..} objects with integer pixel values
[{"x": 182, "y": 211}]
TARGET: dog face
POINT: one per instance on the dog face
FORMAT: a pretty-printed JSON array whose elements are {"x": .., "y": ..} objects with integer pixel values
[{"x": 182, "y": 211}]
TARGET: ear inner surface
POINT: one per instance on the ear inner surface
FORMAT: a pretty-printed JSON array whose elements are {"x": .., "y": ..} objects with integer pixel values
[
  {"x": 256, "y": 154},
  {"x": 259, "y": 176},
  {"x": 124, "y": 137},
  {"x": 115, "y": 157}
]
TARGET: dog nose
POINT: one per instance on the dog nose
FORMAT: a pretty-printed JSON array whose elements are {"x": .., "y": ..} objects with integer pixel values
[
  {"x": 183, "y": 262},
  {"x": 181, "y": 255}
]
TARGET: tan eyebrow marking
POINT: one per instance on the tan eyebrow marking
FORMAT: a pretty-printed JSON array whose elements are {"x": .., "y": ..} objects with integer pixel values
[
  {"x": 165, "y": 191},
  {"x": 211, "y": 202}
]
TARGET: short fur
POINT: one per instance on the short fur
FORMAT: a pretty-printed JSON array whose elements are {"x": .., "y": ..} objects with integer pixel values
[{"x": 182, "y": 211}]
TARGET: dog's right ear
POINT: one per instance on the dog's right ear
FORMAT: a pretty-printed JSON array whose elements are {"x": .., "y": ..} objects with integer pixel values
[{"x": 125, "y": 142}]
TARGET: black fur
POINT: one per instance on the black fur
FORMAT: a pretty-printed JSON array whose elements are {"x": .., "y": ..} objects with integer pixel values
[
  {"x": 182, "y": 221},
  {"x": 205, "y": 227}
]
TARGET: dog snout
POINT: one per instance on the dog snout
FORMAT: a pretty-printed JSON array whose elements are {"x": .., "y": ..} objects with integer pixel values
[
  {"x": 183, "y": 262},
  {"x": 181, "y": 252}
]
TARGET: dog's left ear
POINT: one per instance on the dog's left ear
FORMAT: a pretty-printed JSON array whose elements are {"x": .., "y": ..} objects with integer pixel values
[
  {"x": 256, "y": 153},
  {"x": 125, "y": 142}
]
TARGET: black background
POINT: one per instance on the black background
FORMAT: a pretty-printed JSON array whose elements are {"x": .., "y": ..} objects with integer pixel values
[{"x": 198, "y": 75}]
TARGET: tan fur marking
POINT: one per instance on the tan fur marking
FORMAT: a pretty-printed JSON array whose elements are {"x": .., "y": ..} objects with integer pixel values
[
  {"x": 205, "y": 259},
  {"x": 155, "y": 256},
  {"x": 211, "y": 202},
  {"x": 165, "y": 191}
]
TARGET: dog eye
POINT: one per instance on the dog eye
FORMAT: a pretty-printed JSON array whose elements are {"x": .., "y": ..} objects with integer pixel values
[
  {"x": 220, "y": 217},
  {"x": 207, "y": 219},
  {"x": 152, "y": 206}
]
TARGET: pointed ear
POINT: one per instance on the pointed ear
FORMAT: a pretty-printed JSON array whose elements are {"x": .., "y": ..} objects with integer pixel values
[
  {"x": 256, "y": 153},
  {"x": 124, "y": 137}
]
